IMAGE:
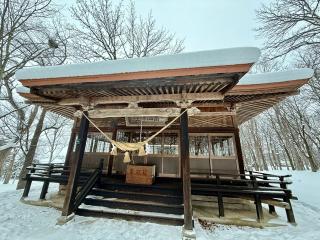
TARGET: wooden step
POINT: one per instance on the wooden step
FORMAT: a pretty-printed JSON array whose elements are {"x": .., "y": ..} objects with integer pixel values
[
  {"x": 154, "y": 189},
  {"x": 139, "y": 196},
  {"x": 132, "y": 216},
  {"x": 145, "y": 206}
]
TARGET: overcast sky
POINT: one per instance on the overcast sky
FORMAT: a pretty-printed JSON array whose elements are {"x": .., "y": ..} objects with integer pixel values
[{"x": 205, "y": 24}]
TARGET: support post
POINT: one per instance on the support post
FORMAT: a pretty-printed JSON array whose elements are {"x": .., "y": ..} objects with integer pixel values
[
  {"x": 100, "y": 171},
  {"x": 258, "y": 207},
  {"x": 272, "y": 209},
  {"x": 239, "y": 151},
  {"x": 70, "y": 147},
  {"x": 28, "y": 182},
  {"x": 220, "y": 199},
  {"x": 68, "y": 206},
  {"x": 45, "y": 185},
  {"x": 185, "y": 164},
  {"x": 289, "y": 212},
  {"x": 111, "y": 157},
  {"x": 66, "y": 165}
]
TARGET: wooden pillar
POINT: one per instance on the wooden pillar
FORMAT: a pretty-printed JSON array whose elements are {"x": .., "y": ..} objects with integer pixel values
[
  {"x": 111, "y": 157},
  {"x": 239, "y": 150},
  {"x": 185, "y": 165},
  {"x": 220, "y": 198},
  {"x": 68, "y": 206},
  {"x": 70, "y": 146}
]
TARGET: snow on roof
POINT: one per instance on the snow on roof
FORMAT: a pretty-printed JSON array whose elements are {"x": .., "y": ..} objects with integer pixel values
[
  {"x": 219, "y": 57},
  {"x": 272, "y": 77},
  {"x": 22, "y": 89}
]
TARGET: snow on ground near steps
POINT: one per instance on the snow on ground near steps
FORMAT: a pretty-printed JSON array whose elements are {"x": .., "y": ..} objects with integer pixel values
[{"x": 19, "y": 221}]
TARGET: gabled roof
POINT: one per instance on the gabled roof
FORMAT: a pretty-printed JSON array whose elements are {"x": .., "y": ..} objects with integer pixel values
[{"x": 208, "y": 79}]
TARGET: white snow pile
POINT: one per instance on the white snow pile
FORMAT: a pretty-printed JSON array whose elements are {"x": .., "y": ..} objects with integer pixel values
[
  {"x": 210, "y": 58},
  {"x": 19, "y": 221}
]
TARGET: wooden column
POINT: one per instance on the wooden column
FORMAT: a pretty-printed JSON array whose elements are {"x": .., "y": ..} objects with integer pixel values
[
  {"x": 111, "y": 157},
  {"x": 239, "y": 150},
  {"x": 71, "y": 145},
  {"x": 68, "y": 206},
  {"x": 185, "y": 165}
]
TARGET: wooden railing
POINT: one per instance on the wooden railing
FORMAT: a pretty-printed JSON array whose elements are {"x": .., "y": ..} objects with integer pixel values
[
  {"x": 258, "y": 186},
  {"x": 49, "y": 173},
  {"x": 45, "y": 173},
  {"x": 86, "y": 188}
]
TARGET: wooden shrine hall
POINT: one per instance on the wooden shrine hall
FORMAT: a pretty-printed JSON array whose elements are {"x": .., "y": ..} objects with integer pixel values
[{"x": 151, "y": 133}]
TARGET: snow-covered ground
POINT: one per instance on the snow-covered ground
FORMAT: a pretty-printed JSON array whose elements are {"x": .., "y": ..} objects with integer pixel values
[{"x": 19, "y": 221}]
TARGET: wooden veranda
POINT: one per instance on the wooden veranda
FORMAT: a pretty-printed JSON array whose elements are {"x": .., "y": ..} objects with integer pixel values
[{"x": 165, "y": 195}]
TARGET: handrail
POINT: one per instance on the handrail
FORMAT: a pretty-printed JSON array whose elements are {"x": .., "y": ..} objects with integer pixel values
[
  {"x": 268, "y": 174},
  {"x": 255, "y": 179},
  {"x": 257, "y": 174},
  {"x": 86, "y": 188}
]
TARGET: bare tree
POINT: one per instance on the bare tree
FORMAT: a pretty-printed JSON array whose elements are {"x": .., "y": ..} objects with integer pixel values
[
  {"x": 107, "y": 31},
  {"x": 310, "y": 58},
  {"x": 27, "y": 37},
  {"x": 54, "y": 135},
  {"x": 289, "y": 25},
  {"x": 31, "y": 150}
]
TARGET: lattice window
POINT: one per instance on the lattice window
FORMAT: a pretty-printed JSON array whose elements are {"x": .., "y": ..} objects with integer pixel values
[
  {"x": 199, "y": 146},
  {"x": 222, "y": 146}
]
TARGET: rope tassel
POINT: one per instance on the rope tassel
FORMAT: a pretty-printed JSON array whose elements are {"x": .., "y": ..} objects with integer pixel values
[
  {"x": 114, "y": 151},
  {"x": 142, "y": 152},
  {"x": 126, "y": 158}
]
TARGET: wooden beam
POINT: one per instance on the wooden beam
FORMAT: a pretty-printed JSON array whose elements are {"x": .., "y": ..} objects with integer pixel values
[
  {"x": 134, "y": 112},
  {"x": 142, "y": 98},
  {"x": 172, "y": 127},
  {"x": 185, "y": 164},
  {"x": 68, "y": 206},
  {"x": 215, "y": 114},
  {"x": 139, "y": 112}
]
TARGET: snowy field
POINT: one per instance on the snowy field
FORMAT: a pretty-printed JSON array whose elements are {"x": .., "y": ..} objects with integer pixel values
[{"x": 19, "y": 221}]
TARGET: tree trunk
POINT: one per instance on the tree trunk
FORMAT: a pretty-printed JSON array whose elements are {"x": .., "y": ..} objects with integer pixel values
[
  {"x": 4, "y": 154},
  {"x": 309, "y": 156},
  {"x": 9, "y": 170},
  {"x": 32, "y": 150}
]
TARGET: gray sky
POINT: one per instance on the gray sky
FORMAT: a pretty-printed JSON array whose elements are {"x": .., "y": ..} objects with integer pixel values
[{"x": 205, "y": 24}]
